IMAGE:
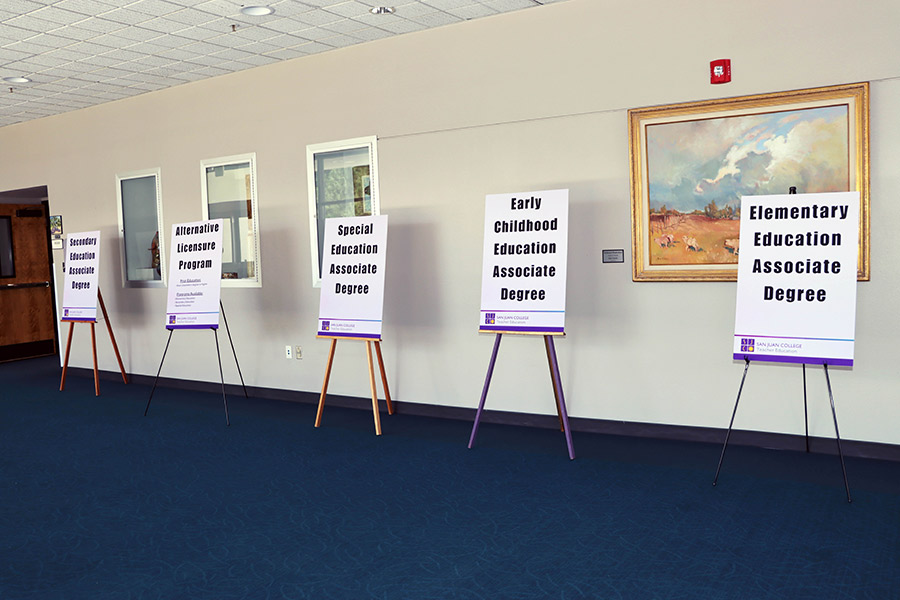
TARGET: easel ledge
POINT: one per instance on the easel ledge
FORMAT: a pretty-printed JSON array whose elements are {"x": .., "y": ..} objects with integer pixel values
[{"x": 387, "y": 393}]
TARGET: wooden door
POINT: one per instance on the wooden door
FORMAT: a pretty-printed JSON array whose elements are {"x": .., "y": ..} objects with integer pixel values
[{"x": 27, "y": 326}]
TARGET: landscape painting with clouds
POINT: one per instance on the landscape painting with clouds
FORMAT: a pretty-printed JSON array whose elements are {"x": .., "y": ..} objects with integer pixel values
[{"x": 698, "y": 170}]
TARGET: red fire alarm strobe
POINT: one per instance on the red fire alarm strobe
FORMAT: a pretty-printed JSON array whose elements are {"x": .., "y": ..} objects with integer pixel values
[{"x": 720, "y": 71}]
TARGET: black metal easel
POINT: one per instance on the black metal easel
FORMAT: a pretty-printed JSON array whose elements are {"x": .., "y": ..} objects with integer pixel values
[
  {"x": 793, "y": 190},
  {"x": 805, "y": 418},
  {"x": 218, "y": 355}
]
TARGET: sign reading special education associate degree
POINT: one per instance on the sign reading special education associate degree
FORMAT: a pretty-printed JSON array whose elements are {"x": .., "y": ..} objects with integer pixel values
[
  {"x": 796, "y": 289},
  {"x": 352, "y": 298},
  {"x": 82, "y": 273},
  {"x": 523, "y": 284},
  {"x": 195, "y": 275}
]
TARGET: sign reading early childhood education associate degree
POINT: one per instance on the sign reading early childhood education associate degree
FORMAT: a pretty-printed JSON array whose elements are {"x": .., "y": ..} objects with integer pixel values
[
  {"x": 82, "y": 273},
  {"x": 195, "y": 275},
  {"x": 523, "y": 285},
  {"x": 796, "y": 289},
  {"x": 352, "y": 298}
]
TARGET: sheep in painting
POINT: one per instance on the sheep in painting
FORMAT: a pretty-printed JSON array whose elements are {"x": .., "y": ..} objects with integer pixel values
[{"x": 691, "y": 243}]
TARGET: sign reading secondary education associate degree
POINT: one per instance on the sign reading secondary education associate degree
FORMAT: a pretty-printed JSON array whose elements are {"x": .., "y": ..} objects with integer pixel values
[
  {"x": 523, "y": 284},
  {"x": 796, "y": 289},
  {"x": 195, "y": 275},
  {"x": 352, "y": 298},
  {"x": 82, "y": 273}
]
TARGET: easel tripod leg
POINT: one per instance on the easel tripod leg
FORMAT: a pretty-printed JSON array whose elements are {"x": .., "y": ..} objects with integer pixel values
[
  {"x": 94, "y": 350},
  {"x": 325, "y": 383},
  {"x": 372, "y": 385},
  {"x": 387, "y": 392},
  {"x": 553, "y": 379},
  {"x": 805, "y": 411},
  {"x": 221, "y": 375},
  {"x": 484, "y": 391},
  {"x": 561, "y": 399},
  {"x": 112, "y": 336},
  {"x": 158, "y": 371},
  {"x": 731, "y": 424},
  {"x": 836, "y": 432},
  {"x": 62, "y": 382},
  {"x": 233, "y": 351}
]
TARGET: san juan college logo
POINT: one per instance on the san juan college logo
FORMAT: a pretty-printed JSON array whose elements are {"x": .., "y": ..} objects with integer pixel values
[{"x": 747, "y": 344}]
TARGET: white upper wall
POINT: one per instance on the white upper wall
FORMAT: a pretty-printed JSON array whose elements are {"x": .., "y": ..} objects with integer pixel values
[{"x": 530, "y": 100}]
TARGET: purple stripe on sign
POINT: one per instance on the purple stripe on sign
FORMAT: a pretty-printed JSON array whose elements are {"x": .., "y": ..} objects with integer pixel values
[
  {"x": 783, "y": 337},
  {"x": 216, "y": 326},
  {"x": 500, "y": 328},
  {"x": 806, "y": 360},
  {"x": 365, "y": 336},
  {"x": 351, "y": 320},
  {"x": 78, "y": 319},
  {"x": 486, "y": 310}
]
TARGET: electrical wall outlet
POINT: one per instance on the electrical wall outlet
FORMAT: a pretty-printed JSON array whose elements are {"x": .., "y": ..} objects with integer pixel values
[
  {"x": 298, "y": 352},
  {"x": 288, "y": 352}
]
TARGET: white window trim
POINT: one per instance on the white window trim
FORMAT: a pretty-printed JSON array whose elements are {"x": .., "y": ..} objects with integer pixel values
[
  {"x": 254, "y": 206},
  {"x": 163, "y": 265},
  {"x": 311, "y": 151}
]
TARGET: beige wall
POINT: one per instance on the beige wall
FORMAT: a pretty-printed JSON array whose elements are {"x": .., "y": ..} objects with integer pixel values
[{"x": 530, "y": 100}]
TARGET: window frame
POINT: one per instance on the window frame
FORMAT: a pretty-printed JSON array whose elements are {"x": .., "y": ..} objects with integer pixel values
[
  {"x": 368, "y": 142},
  {"x": 225, "y": 161},
  {"x": 156, "y": 173}
]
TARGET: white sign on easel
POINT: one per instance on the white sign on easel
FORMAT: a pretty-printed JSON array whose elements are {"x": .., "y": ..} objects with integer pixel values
[
  {"x": 82, "y": 275},
  {"x": 195, "y": 275},
  {"x": 796, "y": 290},
  {"x": 352, "y": 298},
  {"x": 523, "y": 284}
]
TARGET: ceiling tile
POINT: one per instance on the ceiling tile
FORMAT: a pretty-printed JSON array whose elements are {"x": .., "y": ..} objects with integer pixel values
[
  {"x": 446, "y": 4},
  {"x": 472, "y": 11},
  {"x": 370, "y": 34},
  {"x": 126, "y": 16},
  {"x": 402, "y": 26},
  {"x": 59, "y": 15},
  {"x": 87, "y": 7},
  {"x": 436, "y": 19},
  {"x": 156, "y": 8}
]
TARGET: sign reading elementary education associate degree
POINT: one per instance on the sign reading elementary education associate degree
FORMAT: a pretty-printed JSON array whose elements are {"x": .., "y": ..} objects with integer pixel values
[
  {"x": 523, "y": 284},
  {"x": 82, "y": 274},
  {"x": 195, "y": 275},
  {"x": 796, "y": 290},
  {"x": 352, "y": 298}
]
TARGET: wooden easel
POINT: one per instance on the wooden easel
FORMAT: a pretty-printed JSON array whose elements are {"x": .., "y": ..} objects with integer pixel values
[
  {"x": 387, "y": 393},
  {"x": 554, "y": 377},
  {"x": 112, "y": 337}
]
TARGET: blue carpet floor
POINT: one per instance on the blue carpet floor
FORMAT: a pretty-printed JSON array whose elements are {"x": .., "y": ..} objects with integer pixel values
[{"x": 97, "y": 501}]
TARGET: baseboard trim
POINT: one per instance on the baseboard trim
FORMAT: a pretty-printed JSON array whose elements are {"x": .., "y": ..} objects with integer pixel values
[{"x": 686, "y": 433}]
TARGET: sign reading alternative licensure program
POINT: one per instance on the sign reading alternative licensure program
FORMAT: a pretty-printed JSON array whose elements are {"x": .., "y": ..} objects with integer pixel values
[
  {"x": 523, "y": 284},
  {"x": 352, "y": 297},
  {"x": 796, "y": 289},
  {"x": 195, "y": 276},
  {"x": 82, "y": 273}
]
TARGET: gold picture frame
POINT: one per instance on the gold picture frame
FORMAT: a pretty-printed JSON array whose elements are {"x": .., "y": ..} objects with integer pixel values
[{"x": 691, "y": 162}]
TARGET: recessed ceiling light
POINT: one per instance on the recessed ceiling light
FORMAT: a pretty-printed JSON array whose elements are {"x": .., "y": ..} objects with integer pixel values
[
  {"x": 16, "y": 80},
  {"x": 257, "y": 11},
  {"x": 382, "y": 10}
]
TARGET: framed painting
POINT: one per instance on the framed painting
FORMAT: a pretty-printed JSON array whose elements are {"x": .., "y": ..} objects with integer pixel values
[{"x": 691, "y": 164}]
